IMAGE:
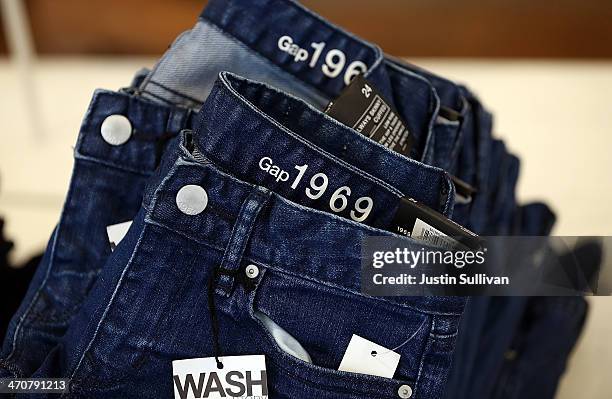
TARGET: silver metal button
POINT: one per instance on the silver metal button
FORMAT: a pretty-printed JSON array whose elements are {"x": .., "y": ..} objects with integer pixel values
[
  {"x": 116, "y": 129},
  {"x": 192, "y": 199},
  {"x": 404, "y": 391},
  {"x": 252, "y": 271}
]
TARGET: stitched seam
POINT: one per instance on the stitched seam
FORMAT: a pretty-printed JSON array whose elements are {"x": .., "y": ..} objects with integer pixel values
[
  {"x": 81, "y": 157},
  {"x": 145, "y": 93},
  {"x": 175, "y": 92},
  {"x": 287, "y": 371}
]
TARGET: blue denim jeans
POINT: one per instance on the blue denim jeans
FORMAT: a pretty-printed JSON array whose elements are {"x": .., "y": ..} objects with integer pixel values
[
  {"x": 222, "y": 37},
  {"x": 106, "y": 188},
  {"x": 244, "y": 37},
  {"x": 284, "y": 129},
  {"x": 444, "y": 143},
  {"x": 137, "y": 158},
  {"x": 153, "y": 125},
  {"x": 501, "y": 337},
  {"x": 281, "y": 43},
  {"x": 153, "y": 300}
]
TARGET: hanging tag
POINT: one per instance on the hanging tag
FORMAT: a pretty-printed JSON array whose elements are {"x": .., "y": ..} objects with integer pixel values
[
  {"x": 240, "y": 377},
  {"x": 362, "y": 107},
  {"x": 116, "y": 232},
  {"x": 366, "y": 357}
]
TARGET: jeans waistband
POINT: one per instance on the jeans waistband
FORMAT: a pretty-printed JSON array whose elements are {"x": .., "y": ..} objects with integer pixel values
[
  {"x": 247, "y": 120},
  {"x": 325, "y": 55},
  {"x": 276, "y": 41},
  {"x": 281, "y": 43},
  {"x": 280, "y": 234},
  {"x": 151, "y": 126}
]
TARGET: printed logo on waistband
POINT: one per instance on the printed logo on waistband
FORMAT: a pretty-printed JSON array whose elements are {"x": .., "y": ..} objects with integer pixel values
[
  {"x": 317, "y": 186},
  {"x": 333, "y": 61}
]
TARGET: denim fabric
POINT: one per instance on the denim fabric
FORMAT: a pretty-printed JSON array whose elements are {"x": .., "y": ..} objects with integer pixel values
[
  {"x": 106, "y": 188},
  {"x": 150, "y": 305},
  {"x": 538, "y": 353},
  {"x": 415, "y": 177},
  {"x": 426, "y": 184},
  {"x": 242, "y": 36},
  {"x": 487, "y": 329},
  {"x": 442, "y": 146},
  {"x": 139, "y": 78},
  {"x": 266, "y": 122},
  {"x": 548, "y": 329},
  {"x": 500, "y": 337},
  {"x": 534, "y": 219},
  {"x": 474, "y": 164},
  {"x": 489, "y": 323}
]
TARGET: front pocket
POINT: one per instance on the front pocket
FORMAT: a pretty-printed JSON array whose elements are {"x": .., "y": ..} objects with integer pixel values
[{"x": 323, "y": 319}]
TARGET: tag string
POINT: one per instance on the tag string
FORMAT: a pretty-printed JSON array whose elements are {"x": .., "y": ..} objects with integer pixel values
[
  {"x": 403, "y": 343},
  {"x": 214, "y": 320},
  {"x": 212, "y": 307}
]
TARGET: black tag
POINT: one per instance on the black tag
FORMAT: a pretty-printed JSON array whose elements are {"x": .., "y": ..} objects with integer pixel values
[
  {"x": 362, "y": 107},
  {"x": 464, "y": 191},
  {"x": 449, "y": 114},
  {"x": 422, "y": 223}
]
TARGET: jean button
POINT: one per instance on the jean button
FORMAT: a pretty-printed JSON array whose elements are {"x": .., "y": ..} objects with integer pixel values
[
  {"x": 252, "y": 271},
  {"x": 116, "y": 129},
  {"x": 191, "y": 199},
  {"x": 404, "y": 391}
]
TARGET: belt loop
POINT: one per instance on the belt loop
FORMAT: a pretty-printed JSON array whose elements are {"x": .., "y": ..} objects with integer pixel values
[{"x": 239, "y": 238}]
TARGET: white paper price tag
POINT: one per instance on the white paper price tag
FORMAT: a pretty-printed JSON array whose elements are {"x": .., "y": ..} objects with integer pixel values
[
  {"x": 241, "y": 377},
  {"x": 116, "y": 232},
  {"x": 366, "y": 357}
]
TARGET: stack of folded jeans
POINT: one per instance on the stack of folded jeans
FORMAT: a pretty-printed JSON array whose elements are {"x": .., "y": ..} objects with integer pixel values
[{"x": 244, "y": 205}]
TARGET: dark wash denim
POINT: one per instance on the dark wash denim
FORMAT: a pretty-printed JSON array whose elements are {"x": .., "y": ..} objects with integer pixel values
[
  {"x": 267, "y": 122},
  {"x": 249, "y": 135},
  {"x": 150, "y": 305},
  {"x": 426, "y": 184},
  {"x": 442, "y": 146},
  {"x": 106, "y": 188},
  {"x": 241, "y": 36},
  {"x": 89, "y": 269},
  {"x": 119, "y": 204},
  {"x": 468, "y": 142},
  {"x": 538, "y": 354},
  {"x": 501, "y": 338}
]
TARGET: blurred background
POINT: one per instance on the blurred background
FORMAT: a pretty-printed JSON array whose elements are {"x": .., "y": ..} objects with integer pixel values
[{"x": 543, "y": 68}]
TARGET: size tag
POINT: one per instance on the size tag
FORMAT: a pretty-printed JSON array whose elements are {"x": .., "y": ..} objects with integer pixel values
[
  {"x": 116, "y": 232},
  {"x": 241, "y": 377},
  {"x": 366, "y": 357},
  {"x": 362, "y": 107},
  {"x": 422, "y": 223}
]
